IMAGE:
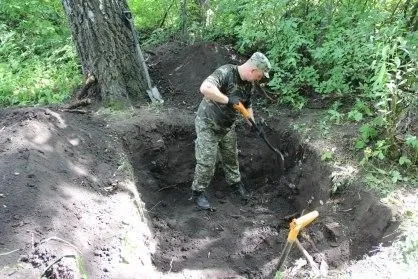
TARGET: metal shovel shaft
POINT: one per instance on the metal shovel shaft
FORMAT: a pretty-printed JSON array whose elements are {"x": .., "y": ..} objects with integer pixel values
[
  {"x": 240, "y": 108},
  {"x": 153, "y": 92},
  {"x": 275, "y": 150}
]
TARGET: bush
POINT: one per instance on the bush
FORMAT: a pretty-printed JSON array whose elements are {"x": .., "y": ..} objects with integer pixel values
[{"x": 39, "y": 63}]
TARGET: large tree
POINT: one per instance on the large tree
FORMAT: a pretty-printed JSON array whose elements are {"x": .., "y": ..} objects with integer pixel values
[{"x": 107, "y": 49}]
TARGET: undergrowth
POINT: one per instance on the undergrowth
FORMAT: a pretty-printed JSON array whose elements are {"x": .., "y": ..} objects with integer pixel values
[{"x": 38, "y": 63}]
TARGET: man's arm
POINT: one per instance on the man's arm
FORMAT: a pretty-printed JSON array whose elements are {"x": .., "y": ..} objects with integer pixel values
[{"x": 212, "y": 92}]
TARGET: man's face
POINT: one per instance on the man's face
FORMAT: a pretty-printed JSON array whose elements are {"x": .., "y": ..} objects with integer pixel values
[{"x": 256, "y": 74}]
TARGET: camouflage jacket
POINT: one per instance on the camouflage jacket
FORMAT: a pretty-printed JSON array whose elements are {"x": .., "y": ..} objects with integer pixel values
[{"x": 227, "y": 79}]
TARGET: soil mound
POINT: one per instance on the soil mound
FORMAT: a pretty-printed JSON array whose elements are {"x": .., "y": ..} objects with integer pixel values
[{"x": 178, "y": 70}]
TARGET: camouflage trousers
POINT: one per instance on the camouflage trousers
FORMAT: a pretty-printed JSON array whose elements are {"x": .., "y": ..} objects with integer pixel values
[{"x": 214, "y": 143}]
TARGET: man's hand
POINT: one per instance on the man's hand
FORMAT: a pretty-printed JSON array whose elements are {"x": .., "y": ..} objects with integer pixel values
[{"x": 233, "y": 100}]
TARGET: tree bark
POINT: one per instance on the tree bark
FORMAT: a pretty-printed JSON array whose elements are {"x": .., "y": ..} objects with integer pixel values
[
  {"x": 106, "y": 49},
  {"x": 413, "y": 20},
  {"x": 183, "y": 16},
  {"x": 204, "y": 6}
]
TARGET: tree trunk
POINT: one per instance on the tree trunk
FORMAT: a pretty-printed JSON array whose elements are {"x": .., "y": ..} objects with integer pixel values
[
  {"x": 204, "y": 6},
  {"x": 183, "y": 16},
  {"x": 106, "y": 49},
  {"x": 413, "y": 20}
]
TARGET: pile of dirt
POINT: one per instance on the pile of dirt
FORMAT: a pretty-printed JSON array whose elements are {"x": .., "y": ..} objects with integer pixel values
[
  {"x": 178, "y": 69},
  {"x": 108, "y": 195},
  {"x": 65, "y": 200}
]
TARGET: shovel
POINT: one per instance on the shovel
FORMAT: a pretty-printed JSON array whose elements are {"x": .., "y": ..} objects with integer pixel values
[
  {"x": 240, "y": 108},
  {"x": 152, "y": 91}
]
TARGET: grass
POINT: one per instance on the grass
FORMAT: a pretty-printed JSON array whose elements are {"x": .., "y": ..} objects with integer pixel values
[{"x": 39, "y": 64}]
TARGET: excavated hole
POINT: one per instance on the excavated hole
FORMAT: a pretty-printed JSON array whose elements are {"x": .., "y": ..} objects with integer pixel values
[{"x": 248, "y": 237}]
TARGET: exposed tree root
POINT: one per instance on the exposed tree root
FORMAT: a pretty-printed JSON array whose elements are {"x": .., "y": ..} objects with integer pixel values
[
  {"x": 79, "y": 103},
  {"x": 81, "y": 111},
  {"x": 60, "y": 240},
  {"x": 81, "y": 98},
  {"x": 89, "y": 82}
]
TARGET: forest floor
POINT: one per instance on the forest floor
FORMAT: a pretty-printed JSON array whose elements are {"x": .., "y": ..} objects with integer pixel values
[{"x": 106, "y": 194}]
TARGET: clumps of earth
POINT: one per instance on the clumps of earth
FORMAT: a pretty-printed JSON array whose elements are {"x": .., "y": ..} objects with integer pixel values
[
  {"x": 114, "y": 189},
  {"x": 41, "y": 257}
]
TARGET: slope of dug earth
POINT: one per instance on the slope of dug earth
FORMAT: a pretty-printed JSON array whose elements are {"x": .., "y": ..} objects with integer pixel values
[{"x": 65, "y": 197}]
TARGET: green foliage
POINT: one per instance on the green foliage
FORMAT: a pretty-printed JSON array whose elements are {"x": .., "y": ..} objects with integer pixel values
[
  {"x": 38, "y": 62},
  {"x": 355, "y": 115},
  {"x": 334, "y": 114},
  {"x": 149, "y": 14},
  {"x": 380, "y": 183},
  {"x": 81, "y": 267},
  {"x": 359, "y": 111},
  {"x": 115, "y": 105},
  {"x": 278, "y": 275},
  {"x": 157, "y": 37},
  {"x": 393, "y": 83},
  {"x": 367, "y": 133},
  {"x": 359, "y": 52},
  {"x": 162, "y": 20},
  {"x": 410, "y": 248},
  {"x": 411, "y": 143},
  {"x": 385, "y": 181},
  {"x": 327, "y": 155}
]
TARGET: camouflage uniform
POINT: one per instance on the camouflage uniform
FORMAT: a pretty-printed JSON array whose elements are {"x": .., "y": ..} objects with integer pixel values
[{"x": 215, "y": 129}]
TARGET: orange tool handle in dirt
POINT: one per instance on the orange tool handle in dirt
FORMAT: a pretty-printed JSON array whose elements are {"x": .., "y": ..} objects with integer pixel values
[
  {"x": 297, "y": 224},
  {"x": 241, "y": 109}
]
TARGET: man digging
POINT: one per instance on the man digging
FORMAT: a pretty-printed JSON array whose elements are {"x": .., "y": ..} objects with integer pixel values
[{"x": 215, "y": 123}]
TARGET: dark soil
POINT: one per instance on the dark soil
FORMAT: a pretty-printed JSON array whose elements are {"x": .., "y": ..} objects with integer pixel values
[{"x": 111, "y": 192}]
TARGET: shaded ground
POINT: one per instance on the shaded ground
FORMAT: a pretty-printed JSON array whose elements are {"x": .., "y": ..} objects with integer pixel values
[
  {"x": 110, "y": 191},
  {"x": 62, "y": 194}
]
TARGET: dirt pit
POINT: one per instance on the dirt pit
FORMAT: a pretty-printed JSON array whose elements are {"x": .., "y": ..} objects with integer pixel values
[
  {"x": 246, "y": 238},
  {"x": 238, "y": 235}
]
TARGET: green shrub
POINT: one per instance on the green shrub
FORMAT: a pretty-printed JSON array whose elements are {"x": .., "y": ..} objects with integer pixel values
[{"x": 39, "y": 63}]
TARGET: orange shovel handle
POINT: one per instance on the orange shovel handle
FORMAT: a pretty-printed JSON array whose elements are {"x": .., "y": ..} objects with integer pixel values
[{"x": 240, "y": 108}]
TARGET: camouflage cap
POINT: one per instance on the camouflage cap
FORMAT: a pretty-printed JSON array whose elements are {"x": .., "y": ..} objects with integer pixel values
[{"x": 261, "y": 62}]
